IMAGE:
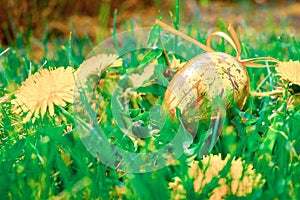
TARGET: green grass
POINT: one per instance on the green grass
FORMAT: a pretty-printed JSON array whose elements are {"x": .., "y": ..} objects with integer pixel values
[{"x": 42, "y": 160}]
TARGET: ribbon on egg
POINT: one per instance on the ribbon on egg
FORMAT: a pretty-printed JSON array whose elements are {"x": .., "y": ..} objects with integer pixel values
[{"x": 232, "y": 40}]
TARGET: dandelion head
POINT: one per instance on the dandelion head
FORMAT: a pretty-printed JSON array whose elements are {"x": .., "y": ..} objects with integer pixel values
[
  {"x": 177, "y": 189},
  {"x": 240, "y": 179},
  {"x": 243, "y": 178},
  {"x": 44, "y": 90},
  {"x": 289, "y": 71},
  {"x": 211, "y": 167},
  {"x": 95, "y": 66}
]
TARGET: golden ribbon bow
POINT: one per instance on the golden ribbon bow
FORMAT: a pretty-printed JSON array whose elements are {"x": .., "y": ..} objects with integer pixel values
[{"x": 232, "y": 39}]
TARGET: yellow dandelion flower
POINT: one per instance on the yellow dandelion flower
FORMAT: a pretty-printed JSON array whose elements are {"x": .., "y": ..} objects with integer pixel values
[
  {"x": 243, "y": 178},
  {"x": 289, "y": 71},
  {"x": 203, "y": 177},
  {"x": 177, "y": 190},
  {"x": 95, "y": 65},
  {"x": 43, "y": 90},
  {"x": 240, "y": 179}
]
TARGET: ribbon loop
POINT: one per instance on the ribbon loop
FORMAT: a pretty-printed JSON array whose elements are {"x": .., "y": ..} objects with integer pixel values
[
  {"x": 232, "y": 39},
  {"x": 227, "y": 38},
  {"x": 235, "y": 38}
]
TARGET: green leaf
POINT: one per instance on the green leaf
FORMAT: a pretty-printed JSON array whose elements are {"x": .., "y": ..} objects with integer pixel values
[{"x": 155, "y": 89}]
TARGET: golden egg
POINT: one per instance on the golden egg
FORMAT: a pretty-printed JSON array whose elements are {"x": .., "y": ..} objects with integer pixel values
[{"x": 205, "y": 84}]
